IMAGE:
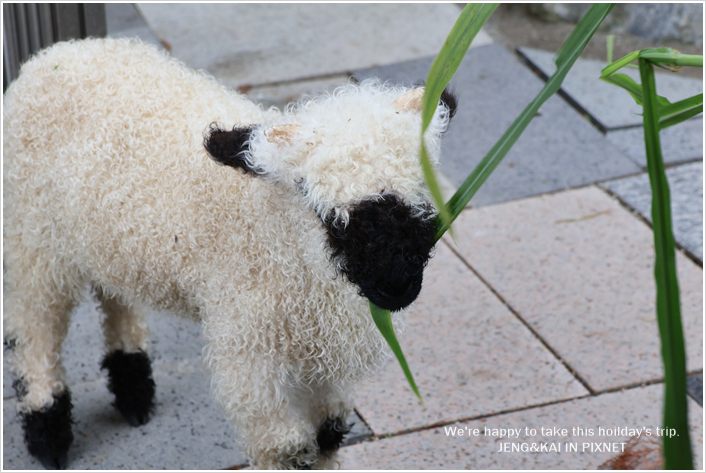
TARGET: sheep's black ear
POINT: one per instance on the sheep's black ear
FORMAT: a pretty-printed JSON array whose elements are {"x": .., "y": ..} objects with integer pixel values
[
  {"x": 449, "y": 99},
  {"x": 229, "y": 147}
]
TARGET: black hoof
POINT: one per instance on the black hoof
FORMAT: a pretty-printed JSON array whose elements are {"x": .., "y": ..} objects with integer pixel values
[
  {"x": 53, "y": 462},
  {"x": 331, "y": 433},
  {"x": 48, "y": 433},
  {"x": 130, "y": 379}
]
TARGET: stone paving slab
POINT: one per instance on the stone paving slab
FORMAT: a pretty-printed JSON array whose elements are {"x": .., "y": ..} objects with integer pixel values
[
  {"x": 469, "y": 354},
  {"x": 558, "y": 150},
  {"x": 123, "y": 20},
  {"x": 7, "y": 391},
  {"x": 263, "y": 43},
  {"x": 608, "y": 104},
  {"x": 359, "y": 430},
  {"x": 280, "y": 95},
  {"x": 187, "y": 432},
  {"x": 578, "y": 267},
  {"x": 680, "y": 143},
  {"x": 434, "y": 449},
  {"x": 695, "y": 387},
  {"x": 686, "y": 194}
]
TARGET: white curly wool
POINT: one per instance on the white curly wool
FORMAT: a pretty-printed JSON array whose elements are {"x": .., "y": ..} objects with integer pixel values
[{"x": 107, "y": 183}]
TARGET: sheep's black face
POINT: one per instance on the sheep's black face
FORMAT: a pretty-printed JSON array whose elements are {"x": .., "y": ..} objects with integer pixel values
[{"x": 383, "y": 250}]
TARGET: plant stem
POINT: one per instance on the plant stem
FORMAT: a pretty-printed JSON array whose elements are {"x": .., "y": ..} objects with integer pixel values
[{"x": 676, "y": 449}]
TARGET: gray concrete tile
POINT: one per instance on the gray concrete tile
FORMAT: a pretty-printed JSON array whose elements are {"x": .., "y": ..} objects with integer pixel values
[
  {"x": 682, "y": 142},
  {"x": 434, "y": 449},
  {"x": 695, "y": 387},
  {"x": 558, "y": 150},
  {"x": 7, "y": 391},
  {"x": 469, "y": 354},
  {"x": 359, "y": 430},
  {"x": 265, "y": 43},
  {"x": 280, "y": 95},
  {"x": 578, "y": 267},
  {"x": 686, "y": 193},
  {"x": 123, "y": 20},
  {"x": 608, "y": 104},
  {"x": 187, "y": 432}
]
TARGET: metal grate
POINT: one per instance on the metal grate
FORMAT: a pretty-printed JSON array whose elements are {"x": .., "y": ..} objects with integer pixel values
[{"x": 29, "y": 27}]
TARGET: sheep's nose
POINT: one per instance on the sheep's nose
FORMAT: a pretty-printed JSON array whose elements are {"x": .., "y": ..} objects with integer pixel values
[
  {"x": 397, "y": 290},
  {"x": 396, "y": 296}
]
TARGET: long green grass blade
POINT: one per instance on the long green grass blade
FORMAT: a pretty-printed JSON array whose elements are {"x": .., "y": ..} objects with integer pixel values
[
  {"x": 671, "y": 57},
  {"x": 680, "y": 111},
  {"x": 609, "y": 42},
  {"x": 383, "y": 321},
  {"x": 627, "y": 83},
  {"x": 677, "y": 448},
  {"x": 469, "y": 23},
  {"x": 634, "y": 89},
  {"x": 472, "y": 18},
  {"x": 433, "y": 184},
  {"x": 579, "y": 36},
  {"x": 619, "y": 64},
  {"x": 568, "y": 54},
  {"x": 669, "y": 113}
]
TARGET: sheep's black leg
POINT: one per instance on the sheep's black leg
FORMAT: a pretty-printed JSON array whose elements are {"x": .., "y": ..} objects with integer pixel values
[
  {"x": 130, "y": 379},
  {"x": 330, "y": 435},
  {"x": 328, "y": 439},
  {"x": 48, "y": 432}
]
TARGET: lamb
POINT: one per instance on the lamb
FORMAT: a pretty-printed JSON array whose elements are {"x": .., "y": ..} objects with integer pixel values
[{"x": 127, "y": 172}]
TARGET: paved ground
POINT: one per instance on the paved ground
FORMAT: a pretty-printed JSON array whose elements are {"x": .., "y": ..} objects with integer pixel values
[{"x": 540, "y": 317}]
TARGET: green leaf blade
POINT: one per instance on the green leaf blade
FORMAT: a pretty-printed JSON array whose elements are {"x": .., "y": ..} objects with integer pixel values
[
  {"x": 433, "y": 184},
  {"x": 626, "y": 82},
  {"x": 568, "y": 54},
  {"x": 610, "y": 41},
  {"x": 469, "y": 23},
  {"x": 680, "y": 111},
  {"x": 383, "y": 321},
  {"x": 619, "y": 64},
  {"x": 579, "y": 37},
  {"x": 672, "y": 57}
]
